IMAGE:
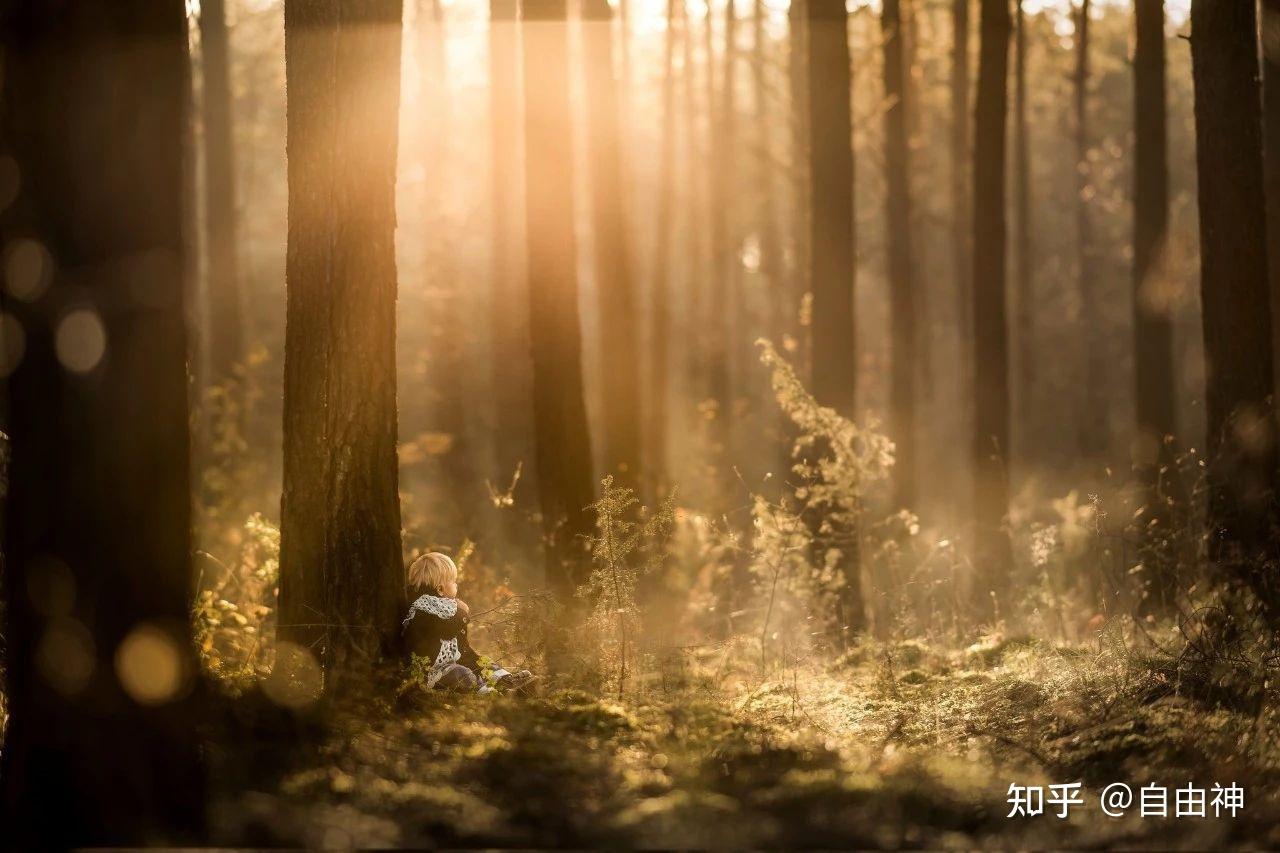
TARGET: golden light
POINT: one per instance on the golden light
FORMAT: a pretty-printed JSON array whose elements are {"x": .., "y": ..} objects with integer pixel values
[
  {"x": 151, "y": 665},
  {"x": 28, "y": 269},
  {"x": 81, "y": 340},
  {"x": 296, "y": 681},
  {"x": 65, "y": 658}
]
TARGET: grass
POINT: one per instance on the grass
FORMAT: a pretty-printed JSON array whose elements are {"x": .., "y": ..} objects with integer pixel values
[{"x": 890, "y": 745}]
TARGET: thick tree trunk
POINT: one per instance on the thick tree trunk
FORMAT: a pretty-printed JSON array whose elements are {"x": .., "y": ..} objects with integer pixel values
[
  {"x": 1234, "y": 291},
  {"x": 902, "y": 295},
  {"x": 510, "y": 330},
  {"x": 1152, "y": 289},
  {"x": 1093, "y": 415},
  {"x": 991, "y": 347},
  {"x": 832, "y": 238},
  {"x": 619, "y": 332},
  {"x": 225, "y": 324},
  {"x": 660, "y": 296},
  {"x": 102, "y": 682},
  {"x": 341, "y": 575},
  {"x": 1024, "y": 284},
  {"x": 562, "y": 444}
]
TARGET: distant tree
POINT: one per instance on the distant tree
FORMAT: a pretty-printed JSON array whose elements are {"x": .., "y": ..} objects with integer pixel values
[
  {"x": 1024, "y": 281},
  {"x": 660, "y": 296},
  {"x": 101, "y": 748},
  {"x": 1094, "y": 411},
  {"x": 798, "y": 93},
  {"x": 562, "y": 443},
  {"x": 832, "y": 237},
  {"x": 722, "y": 312},
  {"x": 1234, "y": 292},
  {"x": 993, "y": 556},
  {"x": 341, "y": 576},
  {"x": 225, "y": 324},
  {"x": 510, "y": 333},
  {"x": 1154, "y": 393},
  {"x": 902, "y": 286},
  {"x": 619, "y": 336}
]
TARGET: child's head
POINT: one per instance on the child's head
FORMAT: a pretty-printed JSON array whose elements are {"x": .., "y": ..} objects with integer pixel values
[{"x": 435, "y": 571}]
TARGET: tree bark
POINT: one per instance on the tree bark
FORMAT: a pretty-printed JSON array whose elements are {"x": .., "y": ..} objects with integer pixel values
[
  {"x": 562, "y": 444},
  {"x": 226, "y": 335},
  {"x": 1093, "y": 421},
  {"x": 341, "y": 575},
  {"x": 720, "y": 332},
  {"x": 902, "y": 288},
  {"x": 1234, "y": 291},
  {"x": 993, "y": 556},
  {"x": 798, "y": 92},
  {"x": 619, "y": 330},
  {"x": 832, "y": 239},
  {"x": 1154, "y": 392},
  {"x": 101, "y": 748}
]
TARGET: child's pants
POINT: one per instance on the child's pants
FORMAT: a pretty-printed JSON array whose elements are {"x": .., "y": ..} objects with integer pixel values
[{"x": 457, "y": 677}]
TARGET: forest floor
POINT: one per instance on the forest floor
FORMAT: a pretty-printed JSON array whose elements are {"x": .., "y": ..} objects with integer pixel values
[{"x": 893, "y": 745}]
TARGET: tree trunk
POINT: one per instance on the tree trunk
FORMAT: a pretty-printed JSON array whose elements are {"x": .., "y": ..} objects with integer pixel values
[
  {"x": 961, "y": 206},
  {"x": 1234, "y": 290},
  {"x": 341, "y": 575},
  {"x": 1093, "y": 416},
  {"x": 562, "y": 444},
  {"x": 902, "y": 296},
  {"x": 1152, "y": 289},
  {"x": 619, "y": 335},
  {"x": 719, "y": 332},
  {"x": 660, "y": 297},
  {"x": 798, "y": 92},
  {"x": 1270, "y": 33},
  {"x": 1024, "y": 285},
  {"x": 226, "y": 337},
  {"x": 101, "y": 748},
  {"x": 832, "y": 238},
  {"x": 510, "y": 329},
  {"x": 993, "y": 556}
]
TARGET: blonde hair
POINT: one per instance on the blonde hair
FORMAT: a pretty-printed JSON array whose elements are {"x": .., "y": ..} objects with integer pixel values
[{"x": 432, "y": 570}]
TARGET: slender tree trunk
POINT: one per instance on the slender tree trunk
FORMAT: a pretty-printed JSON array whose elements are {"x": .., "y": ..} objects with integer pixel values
[
  {"x": 660, "y": 304},
  {"x": 509, "y": 301},
  {"x": 993, "y": 556},
  {"x": 1270, "y": 35},
  {"x": 341, "y": 576},
  {"x": 719, "y": 333},
  {"x": 104, "y": 696},
  {"x": 1152, "y": 290},
  {"x": 562, "y": 444},
  {"x": 902, "y": 296},
  {"x": 961, "y": 206},
  {"x": 832, "y": 238},
  {"x": 619, "y": 330},
  {"x": 797, "y": 78},
  {"x": 226, "y": 337},
  {"x": 1234, "y": 292},
  {"x": 770, "y": 240},
  {"x": 1093, "y": 426},
  {"x": 1023, "y": 237}
]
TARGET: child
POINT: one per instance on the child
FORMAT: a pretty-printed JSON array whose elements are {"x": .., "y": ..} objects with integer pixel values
[{"x": 436, "y": 629}]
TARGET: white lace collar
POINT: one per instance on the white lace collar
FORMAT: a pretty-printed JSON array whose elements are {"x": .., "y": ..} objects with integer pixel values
[{"x": 445, "y": 608}]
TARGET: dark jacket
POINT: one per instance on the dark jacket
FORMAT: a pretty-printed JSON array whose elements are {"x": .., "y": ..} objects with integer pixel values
[{"x": 434, "y": 629}]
